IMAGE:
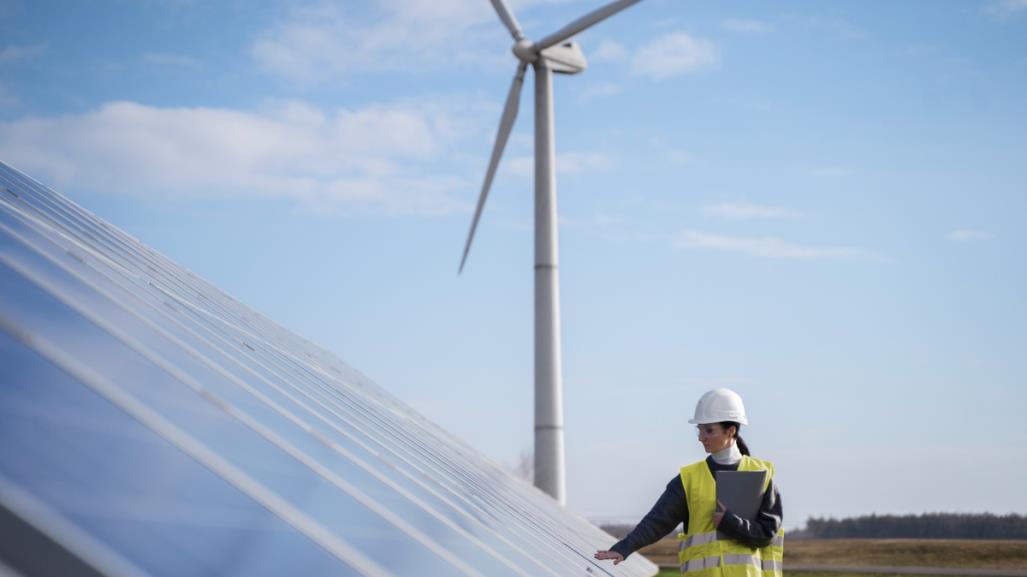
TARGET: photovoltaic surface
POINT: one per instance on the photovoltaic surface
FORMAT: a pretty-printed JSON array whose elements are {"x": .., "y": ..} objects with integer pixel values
[{"x": 152, "y": 425}]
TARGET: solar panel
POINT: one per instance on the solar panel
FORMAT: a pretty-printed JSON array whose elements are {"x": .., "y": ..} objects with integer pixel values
[{"x": 152, "y": 425}]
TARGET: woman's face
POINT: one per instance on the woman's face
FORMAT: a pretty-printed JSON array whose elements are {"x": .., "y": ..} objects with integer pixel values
[{"x": 714, "y": 437}]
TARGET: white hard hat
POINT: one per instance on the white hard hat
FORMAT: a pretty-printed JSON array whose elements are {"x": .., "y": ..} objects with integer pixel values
[{"x": 719, "y": 405}]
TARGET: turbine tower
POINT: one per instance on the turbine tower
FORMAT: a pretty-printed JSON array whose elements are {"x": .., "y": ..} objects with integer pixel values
[{"x": 554, "y": 53}]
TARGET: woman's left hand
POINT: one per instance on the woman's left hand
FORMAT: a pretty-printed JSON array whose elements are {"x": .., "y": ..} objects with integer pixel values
[{"x": 718, "y": 515}]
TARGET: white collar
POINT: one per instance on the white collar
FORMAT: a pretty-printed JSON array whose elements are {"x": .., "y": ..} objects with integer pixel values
[{"x": 728, "y": 456}]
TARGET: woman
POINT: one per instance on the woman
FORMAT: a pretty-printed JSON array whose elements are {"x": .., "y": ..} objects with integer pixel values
[{"x": 716, "y": 542}]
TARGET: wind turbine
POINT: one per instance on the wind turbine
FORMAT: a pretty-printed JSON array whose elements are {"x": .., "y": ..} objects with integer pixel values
[{"x": 554, "y": 53}]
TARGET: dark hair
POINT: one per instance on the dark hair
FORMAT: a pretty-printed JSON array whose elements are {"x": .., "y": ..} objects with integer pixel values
[{"x": 738, "y": 438}]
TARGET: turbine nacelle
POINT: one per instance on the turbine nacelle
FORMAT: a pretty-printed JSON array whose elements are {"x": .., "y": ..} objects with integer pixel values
[{"x": 563, "y": 58}]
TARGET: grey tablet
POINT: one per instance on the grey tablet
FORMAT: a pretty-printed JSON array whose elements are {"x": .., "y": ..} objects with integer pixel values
[{"x": 741, "y": 491}]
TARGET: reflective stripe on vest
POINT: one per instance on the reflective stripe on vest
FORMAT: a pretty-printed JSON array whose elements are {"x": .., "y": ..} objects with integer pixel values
[
  {"x": 700, "y": 564},
  {"x": 743, "y": 559},
  {"x": 701, "y": 539},
  {"x": 712, "y": 562}
]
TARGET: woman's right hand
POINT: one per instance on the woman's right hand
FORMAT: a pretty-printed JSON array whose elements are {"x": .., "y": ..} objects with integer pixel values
[{"x": 617, "y": 557}]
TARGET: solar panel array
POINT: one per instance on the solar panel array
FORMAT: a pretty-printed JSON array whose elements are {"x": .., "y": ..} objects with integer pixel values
[{"x": 152, "y": 425}]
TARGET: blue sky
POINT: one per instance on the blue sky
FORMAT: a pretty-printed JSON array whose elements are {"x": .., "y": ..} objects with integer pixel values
[{"x": 820, "y": 205}]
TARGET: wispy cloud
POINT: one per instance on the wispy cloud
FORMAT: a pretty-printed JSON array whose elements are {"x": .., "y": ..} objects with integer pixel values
[
  {"x": 673, "y": 55},
  {"x": 831, "y": 25},
  {"x": 601, "y": 90},
  {"x": 7, "y": 100},
  {"x": 608, "y": 51},
  {"x": 678, "y": 156},
  {"x": 579, "y": 162},
  {"x": 319, "y": 41},
  {"x": 322, "y": 41},
  {"x": 749, "y": 211},
  {"x": 767, "y": 247},
  {"x": 566, "y": 163},
  {"x": 601, "y": 219},
  {"x": 169, "y": 59},
  {"x": 745, "y": 25},
  {"x": 599, "y": 222},
  {"x": 968, "y": 234},
  {"x": 15, "y": 53},
  {"x": 378, "y": 158},
  {"x": 1006, "y": 8}
]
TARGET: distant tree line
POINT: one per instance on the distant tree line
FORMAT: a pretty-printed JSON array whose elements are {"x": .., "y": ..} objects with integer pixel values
[
  {"x": 618, "y": 530},
  {"x": 925, "y": 526}
]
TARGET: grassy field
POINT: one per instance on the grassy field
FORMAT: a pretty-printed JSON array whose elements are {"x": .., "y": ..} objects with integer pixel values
[{"x": 957, "y": 553}]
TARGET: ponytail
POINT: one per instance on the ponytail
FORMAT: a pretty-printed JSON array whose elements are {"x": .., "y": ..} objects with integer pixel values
[{"x": 742, "y": 447}]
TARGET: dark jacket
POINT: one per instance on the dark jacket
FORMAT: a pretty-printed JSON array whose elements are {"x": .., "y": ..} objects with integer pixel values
[{"x": 671, "y": 509}]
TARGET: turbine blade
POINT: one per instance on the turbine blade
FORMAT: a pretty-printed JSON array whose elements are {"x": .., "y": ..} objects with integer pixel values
[
  {"x": 508, "y": 19},
  {"x": 513, "y": 101},
  {"x": 586, "y": 21}
]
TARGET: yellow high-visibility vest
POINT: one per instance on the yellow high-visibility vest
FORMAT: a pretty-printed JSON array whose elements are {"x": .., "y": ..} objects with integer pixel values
[{"x": 700, "y": 552}]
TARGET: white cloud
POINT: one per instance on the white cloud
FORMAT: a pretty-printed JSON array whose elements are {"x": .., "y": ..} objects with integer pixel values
[
  {"x": 14, "y": 53},
  {"x": 320, "y": 41},
  {"x": 316, "y": 42},
  {"x": 748, "y": 211},
  {"x": 745, "y": 25},
  {"x": 380, "y": 158},
  {"x": 608, "y": 51},
  {"x": 1006, "y": 8},
  {"x": 766, "y": 247},
  {"x": 967, "y": 234},
  {"x": 673, "y": 55}
]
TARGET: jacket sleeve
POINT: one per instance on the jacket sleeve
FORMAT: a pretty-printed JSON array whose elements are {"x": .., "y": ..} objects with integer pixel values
[
  {"x": 670, "y": 510},
  {"x": 760, "y": 531}
]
